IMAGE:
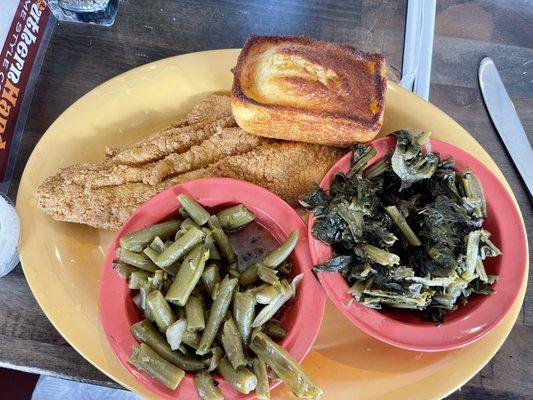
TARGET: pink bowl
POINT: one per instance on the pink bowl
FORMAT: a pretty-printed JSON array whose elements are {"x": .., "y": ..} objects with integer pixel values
[
  {"x": 468, "y": 323},
  {"x": 301, "y": 318}
]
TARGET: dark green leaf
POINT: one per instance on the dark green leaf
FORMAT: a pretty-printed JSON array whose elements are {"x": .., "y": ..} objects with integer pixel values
[
  {"x": 316, "y": 201},
  {"x": 336, "y": 264},
  {"x": 325, "y": 229},
  {"x": 477, "y": 286},
  {"x": 435, "y": 315}
]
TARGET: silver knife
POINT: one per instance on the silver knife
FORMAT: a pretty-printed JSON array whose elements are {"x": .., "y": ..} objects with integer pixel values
[{"x": 506, "y": 121}]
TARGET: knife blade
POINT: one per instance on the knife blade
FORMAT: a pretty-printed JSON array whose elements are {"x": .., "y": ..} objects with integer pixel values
[{"x": 505, "y": 119}]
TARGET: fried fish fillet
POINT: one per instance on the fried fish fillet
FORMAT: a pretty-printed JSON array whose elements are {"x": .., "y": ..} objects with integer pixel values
[
  {"x": 136, "y": 162},
  {"x": 212, "y": 113},
  {"x": 288, "y": 169},
  {"x": 224, "y": 143},
  {"x": 105, "y": 194}
]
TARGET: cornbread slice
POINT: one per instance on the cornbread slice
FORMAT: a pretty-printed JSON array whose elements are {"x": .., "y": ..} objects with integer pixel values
[{"x": 308, "y": 90}]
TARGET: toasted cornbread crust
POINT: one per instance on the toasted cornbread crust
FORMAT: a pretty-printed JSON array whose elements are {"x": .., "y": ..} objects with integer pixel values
[{"x": 310, "y": 90}]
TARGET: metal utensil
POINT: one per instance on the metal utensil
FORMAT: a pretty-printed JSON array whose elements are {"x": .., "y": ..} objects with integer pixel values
[{"x": 505, "y": 119}]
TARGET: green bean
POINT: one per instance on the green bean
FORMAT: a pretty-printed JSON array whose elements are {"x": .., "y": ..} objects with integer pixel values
[
  {"x": 139, "y": 301},
  {"x": 242, "y": 379},
  {"x": 187, "y": 224},
  {"x": 137, "y": 241},
  {"x": 123, "y": 270},
  {"x": 267, "y": 312},
  {"x": 277, "y": 358},
  {"x": 152, "y": 363},
  {"x": 255, "y": 331},
  {"x": 194, "y": 209},
  {"x": 235, "y": 217},
  {"x": 222, "y": 239},
  {"x": 268, "y": 275},
  {"x": 249, "y": 276},
  {"x": 134, "y": 356},
  {"x": 233, "y": 270},
  {"x": 232, "y": 343},
  {"x": 138, "y": 279},
  {"x": 264, "y": 294},
  {"x": 158, "y": 244},
  {"x": 215, "y": 291},
  {"x": 157, "y": 280},
  {"x": 216, "y": 314},
  {"x": 145, "y": 332},
  {"x": 151, "y": 254},
  {"x": 160, "y": 310},
  {"x": 262, "y": 391},
  {"x": 279, "y": 255},
  {"x": 183, "y": 213},
  {"x": 216, "y": 355},
  {"x": 167, "y": 283},
  {"x": 147, "y": 313},
  {"x": 191, "y": 339},
  {"x": 183, "y": 349},
  {"x": 172, "y": 269},
  {"x": 205, "y": 387},
  {"x": 188, "y": 275},
  {"x": 138, "y": 260},
  {"x": 398, "y": 218},
  {"x": 244, "y": 313},
  {"x": 210, "y": 278},
  {"x": 274, "y": 330},
  {"x": 180, "y": 247},
  {"x": 271, "y": 260},
  {"x": 209, "y": 242},
  {"x": 194, "y": 312}
]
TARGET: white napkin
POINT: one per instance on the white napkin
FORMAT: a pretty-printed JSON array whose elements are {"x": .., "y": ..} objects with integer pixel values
[{"x": 49, "y": 388}]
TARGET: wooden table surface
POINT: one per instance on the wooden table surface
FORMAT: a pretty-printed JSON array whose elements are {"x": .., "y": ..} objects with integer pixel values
[{"x": 80, "y": 57}]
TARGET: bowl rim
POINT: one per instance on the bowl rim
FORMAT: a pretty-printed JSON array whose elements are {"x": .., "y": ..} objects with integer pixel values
[
  {"x": 305, "y": 327},
  {"x": 422, "y": 337}
]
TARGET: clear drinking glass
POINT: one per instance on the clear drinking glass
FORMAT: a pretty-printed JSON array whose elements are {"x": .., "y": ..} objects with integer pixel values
[{"x": 100, "y": 12}]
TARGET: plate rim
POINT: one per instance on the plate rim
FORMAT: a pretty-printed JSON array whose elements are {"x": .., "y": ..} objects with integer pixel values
[{"x": 233, "y": 52}]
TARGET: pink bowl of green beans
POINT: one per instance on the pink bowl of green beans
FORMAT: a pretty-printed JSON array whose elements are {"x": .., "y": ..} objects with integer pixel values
[{"x": 207, "y": 291}]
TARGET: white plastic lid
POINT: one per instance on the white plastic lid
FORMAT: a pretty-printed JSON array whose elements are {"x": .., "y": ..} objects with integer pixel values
[{"x": 9, "y": 236}]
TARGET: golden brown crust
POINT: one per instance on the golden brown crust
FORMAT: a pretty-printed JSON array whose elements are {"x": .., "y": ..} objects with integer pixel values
[
  {"x": 308, "y": 90},
  {"x": 104, "y": 194}
]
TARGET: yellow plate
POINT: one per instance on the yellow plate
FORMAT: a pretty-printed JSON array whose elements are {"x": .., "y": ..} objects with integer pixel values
[{"x": 62, "y": 261}]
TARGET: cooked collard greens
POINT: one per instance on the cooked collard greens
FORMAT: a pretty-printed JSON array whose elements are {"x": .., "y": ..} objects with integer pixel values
[{"x": 406, "y": 232}]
